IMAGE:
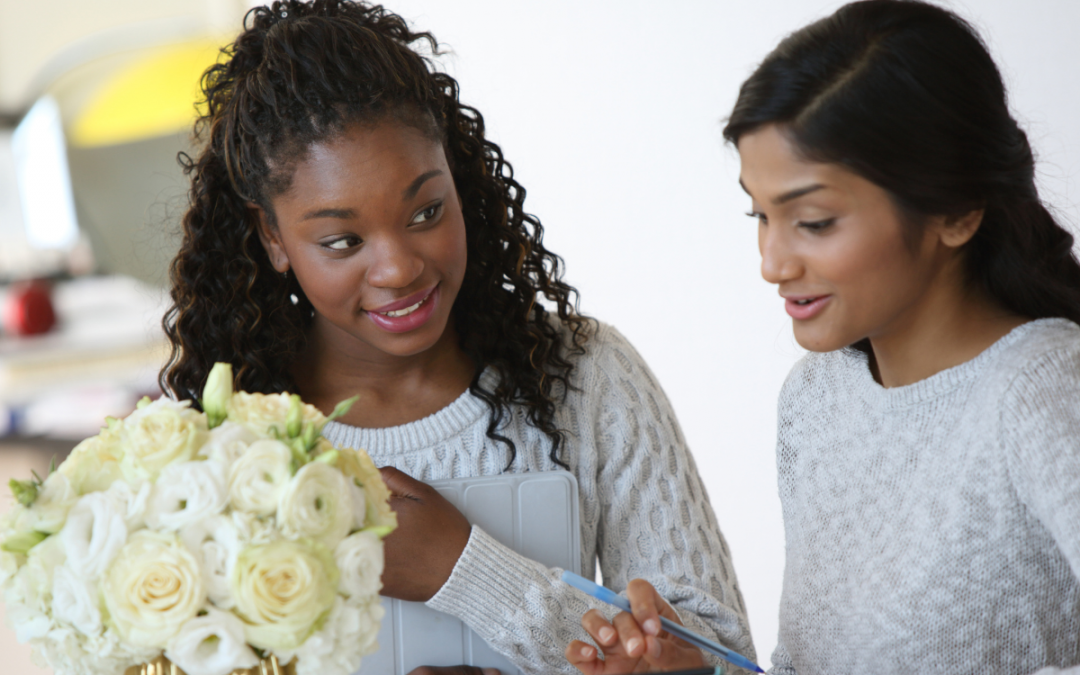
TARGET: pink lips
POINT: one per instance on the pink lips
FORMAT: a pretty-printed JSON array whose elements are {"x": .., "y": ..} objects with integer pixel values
[
  {"x": 403, "y": 324},
  {"x": 802, "y": 312}
]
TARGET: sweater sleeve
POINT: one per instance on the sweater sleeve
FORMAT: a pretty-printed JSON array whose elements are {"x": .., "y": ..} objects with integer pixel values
[
  {"x": 655, "y": 523},
  {"x": 1040, "y": 432}
]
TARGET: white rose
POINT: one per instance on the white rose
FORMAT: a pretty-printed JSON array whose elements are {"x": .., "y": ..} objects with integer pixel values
[
  {"x": 228, "y": 442},
  {"x": 51, "y": 507},
  {"x": 283, "y": 590},
  {"x": 359, "y": 557},
  {"x": 348, "y": 634},
  {"x": 66, "y": 650},
  {"x": 262, "y": 412},
  {"x": 154, "y": 587},
  {"x": 157, "y": 435},
  {"x": 94, "y": 464},
  {"x": 317, "y": 504},
  {"x": 215, "y": 543},
  {"x": 259, "y": 477},
  {"x": 211, "y": 645},
  {"x": 186, "y": 493},
  {"x": 94, "y": 533},
  {"x": 75, "y": 601}
]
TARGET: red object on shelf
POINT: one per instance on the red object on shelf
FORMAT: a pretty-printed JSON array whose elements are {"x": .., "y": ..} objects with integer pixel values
[{"x": 29, "y": 309}]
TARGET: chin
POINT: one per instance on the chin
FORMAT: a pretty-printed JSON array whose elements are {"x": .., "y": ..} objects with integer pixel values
[{"x": 820, "y": 341}]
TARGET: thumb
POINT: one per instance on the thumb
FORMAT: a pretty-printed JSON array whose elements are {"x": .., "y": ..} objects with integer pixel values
[{"x": 400, "y": 483}]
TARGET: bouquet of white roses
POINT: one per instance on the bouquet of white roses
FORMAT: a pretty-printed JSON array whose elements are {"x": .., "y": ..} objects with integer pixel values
[{"x": 217, "y": 538}]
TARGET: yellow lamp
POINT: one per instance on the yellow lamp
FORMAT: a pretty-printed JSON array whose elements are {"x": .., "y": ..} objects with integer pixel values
[{"x": 153, "y": 97}]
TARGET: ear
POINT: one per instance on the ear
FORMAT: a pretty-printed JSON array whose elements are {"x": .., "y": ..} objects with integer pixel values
[
  {"x": 955, "y": 231},
  {"x": 270, "y": 239}
]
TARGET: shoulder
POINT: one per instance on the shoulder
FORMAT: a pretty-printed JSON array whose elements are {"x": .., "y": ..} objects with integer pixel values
[
  {"x": 1037, "y": 359},
  {"x": 818, "y": 373},
  {"x": 607, "y": 355}
]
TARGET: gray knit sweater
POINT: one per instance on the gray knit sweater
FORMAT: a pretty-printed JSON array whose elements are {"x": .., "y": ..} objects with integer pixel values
[
  {"x": 644, "y": 511},
  {"x": 935, "y": 527}
]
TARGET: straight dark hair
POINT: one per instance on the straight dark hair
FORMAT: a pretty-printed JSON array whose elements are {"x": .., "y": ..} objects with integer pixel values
[{"x": 906, "y": 95}]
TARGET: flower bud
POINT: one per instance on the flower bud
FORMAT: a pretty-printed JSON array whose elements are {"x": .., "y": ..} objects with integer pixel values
[{"x": 217, "y": 393}]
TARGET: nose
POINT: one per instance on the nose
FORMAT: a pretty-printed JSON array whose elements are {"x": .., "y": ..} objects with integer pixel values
[
  {"x": 779, "y": 263},
  {"x": 394, "y": 264}
]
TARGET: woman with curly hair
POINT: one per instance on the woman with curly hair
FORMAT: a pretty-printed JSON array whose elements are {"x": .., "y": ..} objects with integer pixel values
[{"x": 352, "y": 232}]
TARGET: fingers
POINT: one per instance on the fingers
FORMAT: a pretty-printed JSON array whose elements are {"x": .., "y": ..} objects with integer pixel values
[
  {"x": 584, "y": 657},
  {"x": 454, "y": 670},
  {"x": 648, "y": 606},
  {"x": 599, "y": 629},
  {"x": 630, "y": 635},
  {"x": 400, "y": 483}
]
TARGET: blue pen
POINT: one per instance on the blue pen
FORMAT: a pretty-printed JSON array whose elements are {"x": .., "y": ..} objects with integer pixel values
[{"x": 612, "y": 598}]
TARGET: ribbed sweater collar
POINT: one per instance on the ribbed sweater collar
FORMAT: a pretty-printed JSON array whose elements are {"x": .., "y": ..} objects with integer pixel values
[
  {"x": 940, "y": 383},
  {"x": 462, "y": 413}
]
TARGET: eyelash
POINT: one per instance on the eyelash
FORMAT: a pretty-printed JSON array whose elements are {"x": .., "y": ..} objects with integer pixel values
[
  {"x": 815, "y": 226},
  {"x": 436, "y": 209},
  {"x": 330, "y": 244}
]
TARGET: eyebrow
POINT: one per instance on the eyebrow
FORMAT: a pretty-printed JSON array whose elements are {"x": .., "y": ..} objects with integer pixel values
[
  {"x": 343, "y": 214},
  {"x": 414, "y": 187},
  {"x": 791, "y": 194}
]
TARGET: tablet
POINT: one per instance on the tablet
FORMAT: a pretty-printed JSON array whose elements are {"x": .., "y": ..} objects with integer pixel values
[{"x": 535, "y": 514}]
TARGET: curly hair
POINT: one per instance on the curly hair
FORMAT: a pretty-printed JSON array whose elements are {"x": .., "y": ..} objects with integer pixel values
[{"x": 299, "y": 73}]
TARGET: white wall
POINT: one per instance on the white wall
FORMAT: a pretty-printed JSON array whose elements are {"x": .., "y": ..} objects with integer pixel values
[{"x": 610, "y": 112}]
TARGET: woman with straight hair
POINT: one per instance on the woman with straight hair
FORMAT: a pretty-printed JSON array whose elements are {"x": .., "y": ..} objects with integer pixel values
[{"x": 929, "y": 444}]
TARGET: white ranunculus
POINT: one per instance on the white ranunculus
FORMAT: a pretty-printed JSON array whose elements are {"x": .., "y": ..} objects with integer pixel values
[
  {"x": 185, "y": 493},
  {"x": 28, "y": 596},
  {"x": 212, "y": 644},
  {"x": 75, "y": 601},
  {"x": 283, "y": 590},
  {"x": 215, "y": 543},
  {"x": 359, "y": 557},
  {"x": 94, "y": 533},
  {"x": 317, "y": 504},
  {"x": 259, "y": 477},
  {"x": 348, "y": 634},
  {"x": 262, "y": 412},
  {"x": 227, "y": 443},
  {"x": 157, "y": 435},
  {"x": 131, "y": 500},
  {"x": 153, "y": 587},
  {"x": 357, "y": 465}
]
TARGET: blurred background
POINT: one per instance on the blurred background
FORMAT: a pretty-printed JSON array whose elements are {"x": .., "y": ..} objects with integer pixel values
[{"x": 610, "y": 113}]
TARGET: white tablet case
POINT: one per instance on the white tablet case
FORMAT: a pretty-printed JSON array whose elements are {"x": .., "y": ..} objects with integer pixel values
[{"x": 536, "y": 514}]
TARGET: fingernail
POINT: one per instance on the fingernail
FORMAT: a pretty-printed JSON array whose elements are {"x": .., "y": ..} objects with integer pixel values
[
  {"x": 586, "y": 652},
  {"x": 607, "y": 634},
  {"x": 652, "y": 627},
  {"x": 633, "y": 645}
]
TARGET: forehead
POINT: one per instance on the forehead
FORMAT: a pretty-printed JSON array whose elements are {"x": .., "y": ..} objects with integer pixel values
[
  {"x": 771, "y": 166},
  {"x": 368, "y": 159}
]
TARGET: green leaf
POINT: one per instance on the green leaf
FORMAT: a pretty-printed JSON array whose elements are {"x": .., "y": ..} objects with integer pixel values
[
  {"x": 24, "y": 491},
  {"x": 23, "y": 542}
]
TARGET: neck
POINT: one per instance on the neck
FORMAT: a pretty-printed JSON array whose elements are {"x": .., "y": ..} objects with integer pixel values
[
  {"x": 393, "y": 389},
  {"x": 950, "y": 326}
]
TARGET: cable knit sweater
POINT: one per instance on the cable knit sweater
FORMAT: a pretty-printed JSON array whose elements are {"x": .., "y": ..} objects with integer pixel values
[
  {"x": 935, "y": 527},
  {"x": 644, "y": 511}
]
